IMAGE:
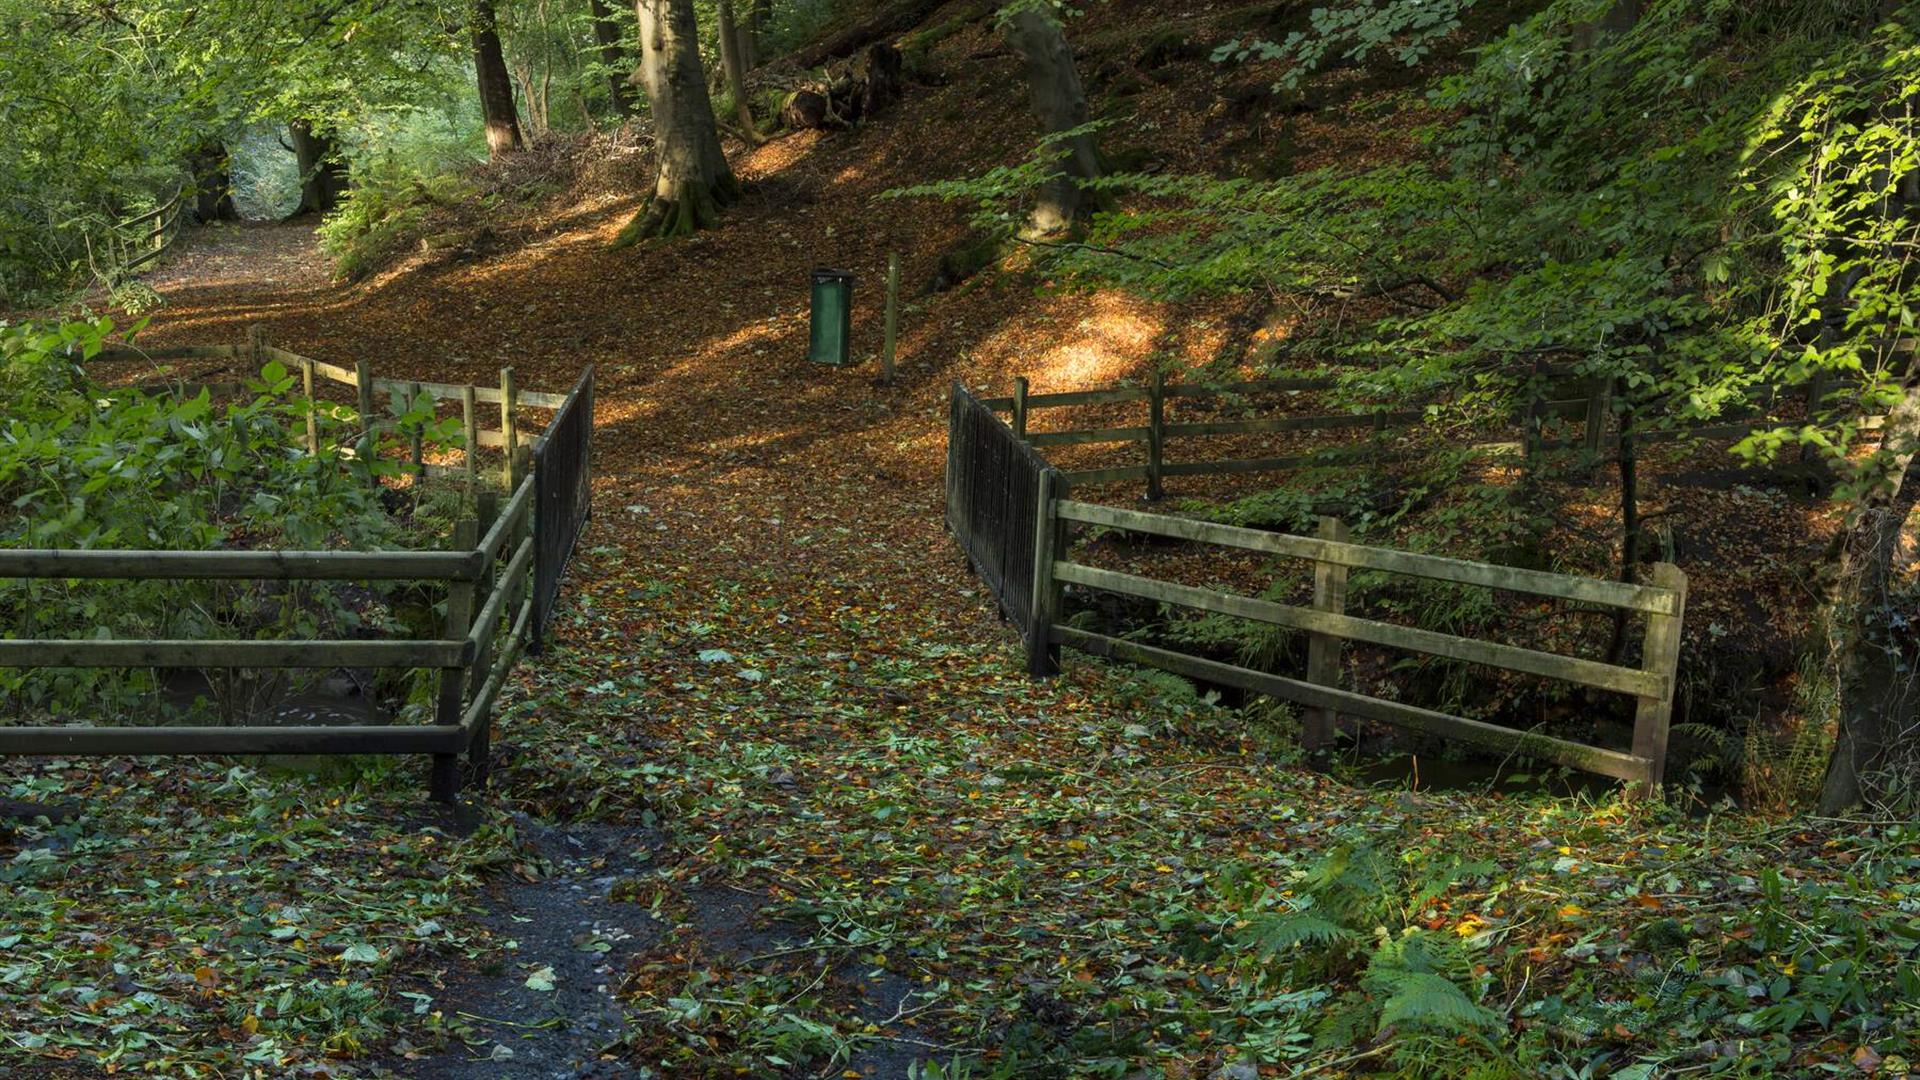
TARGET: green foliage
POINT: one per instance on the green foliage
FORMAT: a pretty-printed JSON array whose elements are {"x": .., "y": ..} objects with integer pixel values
[
  {"x": 82, "y": 466},
  {"x": 1405, "y": 29},
  {"x": 385, "y": 214}
]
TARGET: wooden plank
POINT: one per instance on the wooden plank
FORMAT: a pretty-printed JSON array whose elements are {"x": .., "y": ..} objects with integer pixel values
[
  {"x": 1270, "y": 424},
  {"x": 1082, "y": 477},
  {"x": 479, "y": 714},
  {"x": 1545, "y": 747},
  {"x": 1110, "y": 396},
  {"x": 1434, "y": 567},
  {"x": 1510, "y": 657},
  {"x": 1660, "y": 654},
  {"x": 230, "y": 654},
  {"x": 166, "y": 352},
  {"x": 498, "y": 439},
  {"x": 484, "y": 624},
  {"x": 70, "y": 564},
  {"x": 312, "y": 739},
  {"x": 1088, "y": 435},
  {"x": 1323, "y": 650}
]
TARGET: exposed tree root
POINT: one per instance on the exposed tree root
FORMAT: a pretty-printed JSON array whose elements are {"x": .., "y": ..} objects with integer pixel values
[{"x": 697, "y": 207}]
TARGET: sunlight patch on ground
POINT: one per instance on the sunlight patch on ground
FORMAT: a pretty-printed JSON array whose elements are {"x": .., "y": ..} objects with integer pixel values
[{"x": 1101, "y": 347}]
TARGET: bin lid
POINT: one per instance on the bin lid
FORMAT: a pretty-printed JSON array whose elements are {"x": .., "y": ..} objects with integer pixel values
[{"x": 827, "y": 273}]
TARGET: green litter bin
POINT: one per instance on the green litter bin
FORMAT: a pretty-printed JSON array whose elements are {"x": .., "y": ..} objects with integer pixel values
[{"x": 832, "y": 327}]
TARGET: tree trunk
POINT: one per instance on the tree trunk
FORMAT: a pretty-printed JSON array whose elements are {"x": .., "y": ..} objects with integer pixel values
[
  {"x": 759, "y": 13},
  {"x": 212, "y": 171},
  {"x": 1868, "y": 643},
  {"x": 731, "y": 59},
  {"x": 496, "y": 86},
  {"x": 1061, "y": 105},
  {"x": 692, "y": 180},
  {"x": 607, "y": 33},
  {"x": 323, "y": 178}
]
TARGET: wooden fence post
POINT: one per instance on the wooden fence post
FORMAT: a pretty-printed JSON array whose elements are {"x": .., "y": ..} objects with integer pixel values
[
  {"x": 1156, "y": 423},
  {"x": 1599, "y": 403},
  {"x": 893, "y": 316},
  {"x": 469, "y": 403},
  {"x": 450, "y": 707},
  {"x": 256, "y": 347},
  {"x": 313, "y": 408},
  {"x": 1020, "y": 407},
  {"x": 1043, "y": 656},
  {"x": 366, "y": 448},
  {"x": 509, "y": 397},
  {"x": 1659, "y": 654},
  {"x": 1323, "y": 650},
  {"x": 415, "y": 439}
]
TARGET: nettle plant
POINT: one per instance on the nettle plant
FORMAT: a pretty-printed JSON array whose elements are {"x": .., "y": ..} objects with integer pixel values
[{"x": 84, "y": 466}]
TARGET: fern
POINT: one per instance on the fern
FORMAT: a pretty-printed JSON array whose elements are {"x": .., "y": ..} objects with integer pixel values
[
  {"x": 1274, "y": 933},
  {"x": 1430, "y": 1002}
]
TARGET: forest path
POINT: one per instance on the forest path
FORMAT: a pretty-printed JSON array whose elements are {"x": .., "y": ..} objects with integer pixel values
[{"x": 875, "y": 835}]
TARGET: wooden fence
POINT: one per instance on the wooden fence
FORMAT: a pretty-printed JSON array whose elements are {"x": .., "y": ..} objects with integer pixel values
[
  {"x": 139, "y": 240},
  {"x": 993, "y": 482},
  {"x": 987, "y": 470},
  {"x": 1587, "y": 405},
  {"x": 490, "y": 581},
  {"x": 1329, "y": 626}
]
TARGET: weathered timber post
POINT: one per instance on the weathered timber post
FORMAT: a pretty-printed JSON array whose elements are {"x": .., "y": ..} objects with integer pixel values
[
  {"x": 1660, "y": 654},
  {"x": 256, "y": 347},
  {"x": 1323, "y": 650},
  {"x": 451, "y": 703},
  {"x": 313, "y": 407},
  {"x": 415, "y": 436},
  {"x": 1599, "y": 403},
  {"x": 893, "y": 317},
  {"x": 1049, "y": 543},
  {"x": 1156, "y": 435},
  {"x": 510, "y": 428},
  {"x": 367, "y": 446},
  {"x": 1020, "y": 407},
  {"x": 470, "y": 423}
]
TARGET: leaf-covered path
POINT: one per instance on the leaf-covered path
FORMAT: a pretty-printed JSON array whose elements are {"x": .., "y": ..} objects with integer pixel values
[{"x": 780, "y": 785}]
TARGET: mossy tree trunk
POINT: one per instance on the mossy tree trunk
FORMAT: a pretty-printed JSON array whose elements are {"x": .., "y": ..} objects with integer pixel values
[
  {"x": 692, "y": 180},
  {"x": 1870, "y": 639},
  {"x": 1060, "y": 102},
  {"x": 496, "y": 85}
]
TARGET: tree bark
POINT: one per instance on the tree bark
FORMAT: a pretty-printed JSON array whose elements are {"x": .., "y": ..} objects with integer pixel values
[
  {"x": 1870, "y": 649},
  {"x": 731, "y": 59},
  {"x": 1060, "y": 103},
  {"x": 692, "y": 180},
  {"x": 612, "y": 57},
  {"x": 496, "y": 85},
  {"x": 212, "y": 170},
  {"x": 323, "y": 177}
]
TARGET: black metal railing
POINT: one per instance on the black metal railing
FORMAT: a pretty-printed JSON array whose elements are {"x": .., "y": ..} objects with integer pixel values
[
  {"x": 993, "y": 491},
  {"x": 563, "y": 497}
]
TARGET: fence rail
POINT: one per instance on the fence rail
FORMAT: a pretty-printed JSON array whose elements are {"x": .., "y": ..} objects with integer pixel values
[
  {"x": 139, "y": 240},
  {"x": 1588, "y": 412},
  {"x": 497, "y": 585},
  {"x": 990, "y": 470},
  {"x": 1329, "y": 626}
]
